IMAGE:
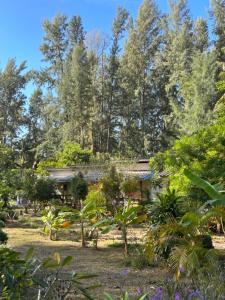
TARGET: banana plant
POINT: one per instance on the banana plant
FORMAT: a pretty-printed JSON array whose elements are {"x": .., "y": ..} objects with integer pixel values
[
  {"x": 126, "y": 216},
  {"x": 95, "y": 212},
  {"x": 217, "y": 198},
  {"x": 217, "y": 201},
  {"x": 55, "y": 219}
]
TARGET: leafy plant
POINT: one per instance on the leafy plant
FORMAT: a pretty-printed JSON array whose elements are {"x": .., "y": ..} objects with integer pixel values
[
  {"x": 202, "y": 153},
  {"x": 95, "y": 210},
  {"x": 3, "y": 235},
  {"x": 111, "y": 188},
  {"x": 15, "y": 273},
  {"x": 79, "y": 191},
  {"x": 126, "y": 216},
  {"x": 167, "y": 205},
  {"x": 55, "y": 219},
  {"x": 47, "y": 279}
]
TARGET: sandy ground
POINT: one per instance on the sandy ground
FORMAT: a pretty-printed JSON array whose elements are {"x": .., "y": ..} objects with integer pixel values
[{"x": 107, "y": 262}]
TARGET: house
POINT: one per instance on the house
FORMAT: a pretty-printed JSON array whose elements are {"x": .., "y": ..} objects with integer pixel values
[{"x": 94, "y": 172}]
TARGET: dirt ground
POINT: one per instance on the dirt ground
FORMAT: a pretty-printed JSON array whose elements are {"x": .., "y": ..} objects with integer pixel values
[{"x": 107, "y": 262}]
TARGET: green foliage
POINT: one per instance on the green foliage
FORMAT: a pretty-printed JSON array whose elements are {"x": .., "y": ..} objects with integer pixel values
[
  {"x": 13, "y": 80},
  {"x": 186, "y": 240},
  {"x": 218, "y": 198},
  {"x": 166, "y": 206},
  {"x": 123, "y": 218},
  {"x": 3, "y": 235},
  {"x": 28, "y": 277},
  {"x": 71, "y": 154},
  {"x": 202, "y": 153},
  {"x": 130, "y": 185},
  {"x": 55, "y": 219},
  {"x": 94, "y": 211},
  {"x": 36, "y": 188},
  {"x": 111, "y": 188},
  {"x": 79, "y": 187},
  {"x": 15, "y": 274}
]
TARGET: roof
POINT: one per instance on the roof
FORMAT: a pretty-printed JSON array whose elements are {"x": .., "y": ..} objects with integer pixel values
[{"x": 93, "y": 173}]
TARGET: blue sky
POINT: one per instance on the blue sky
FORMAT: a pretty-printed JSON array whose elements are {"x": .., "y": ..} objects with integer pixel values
[{"x": 21, "y": 21}]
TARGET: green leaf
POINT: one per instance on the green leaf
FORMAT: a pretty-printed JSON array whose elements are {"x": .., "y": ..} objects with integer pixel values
[
  {"x": 143, "y": 297},
  {"x": 29, "y": 253},
  {"x": 81, "y": 276},
  {"x": 67, "y": 261},
  {"x": 50, "y": 263},
  {"x": 109, "y": 297},
  {"x": 57, "y": 257},
  {"x": 205, "y": 185}
]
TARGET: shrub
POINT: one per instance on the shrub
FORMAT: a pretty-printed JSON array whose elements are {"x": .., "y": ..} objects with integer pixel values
[{"x": 202, "y": 153}]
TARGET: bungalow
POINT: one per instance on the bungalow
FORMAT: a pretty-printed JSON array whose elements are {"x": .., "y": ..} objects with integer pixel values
[{"x": 94, "y": 172}]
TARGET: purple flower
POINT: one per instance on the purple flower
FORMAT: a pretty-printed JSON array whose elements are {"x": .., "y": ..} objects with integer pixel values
[
  {"x": 139, "y": 291},
  {"x": 182, "y": 269},
  {"x": 196, "y": 293},
  {"x": 158, "y": 295},
  {"x": 177, "y": 296},
  {"x": 125, "y": 272}
]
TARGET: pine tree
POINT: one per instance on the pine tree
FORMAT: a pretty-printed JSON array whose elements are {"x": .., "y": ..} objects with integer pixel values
[
  {"x": 179, "y": 47},
  {"x": 201, "y": 35},
  {"x": 218, "y": 13},
  {"x": 13, "y": 80},
  {"x": 138, "y": 98},
  {"x": 34, "y": 124},
  {"x": 198, "y": 91},
  {"x": 54, "y": 48},
  {"x": 75, "y": 96},
  {"x": 112, "y": 100}
]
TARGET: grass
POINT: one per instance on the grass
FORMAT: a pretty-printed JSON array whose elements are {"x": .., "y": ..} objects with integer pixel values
[{"x": 107, "y": 262}]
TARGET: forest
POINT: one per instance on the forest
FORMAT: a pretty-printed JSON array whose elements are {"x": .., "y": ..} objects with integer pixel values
[
  {"x": 153, "y": 92},
  {"x": 128, "y": 95}
]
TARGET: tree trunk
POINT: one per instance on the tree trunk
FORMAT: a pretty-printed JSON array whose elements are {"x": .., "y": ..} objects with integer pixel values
[
  {"x": 83, "y": 244},
  {"x": 125, "y": 241},
  {"x": 96, "y": 240}
]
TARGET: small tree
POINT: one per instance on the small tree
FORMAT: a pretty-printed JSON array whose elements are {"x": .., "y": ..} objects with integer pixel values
[
  {"x": 111, "y": 189},
  {"x": 126, "y": 216},
  {"x": 3, "y": 235},
  {"x": 79, "y": 191},
  {"x": 95, "y": 203},
  {"x": 36, "y": 189}
]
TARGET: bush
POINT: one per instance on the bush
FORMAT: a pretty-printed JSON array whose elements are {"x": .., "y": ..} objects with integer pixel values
[{"x": 202, "y": 153}]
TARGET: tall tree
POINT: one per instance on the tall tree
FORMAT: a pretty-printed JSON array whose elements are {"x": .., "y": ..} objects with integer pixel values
[
  {"x": 54, "y": 47},
  {"x": 97, "y": 46},
  {"x": 201, "y": 35},
  {"x": 138, "y": 99},
  {"x": 198, "y": 92},
  {"x": 52, "y": 127},
  {"x": 34, "y": 124},
  {"x": 75, "y": 96},
  {"x": 76, "y": 31},
  {"x": 218, "y": 13},
  {"x": 13, "y": 80},
  {"x": 178, "y": 56},
  {"x": 111, "y": 108}
]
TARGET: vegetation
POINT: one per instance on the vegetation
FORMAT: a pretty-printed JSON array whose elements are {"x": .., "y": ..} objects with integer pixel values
[{"x": 155, "y": 89}]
